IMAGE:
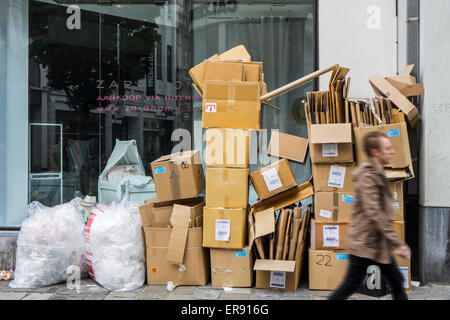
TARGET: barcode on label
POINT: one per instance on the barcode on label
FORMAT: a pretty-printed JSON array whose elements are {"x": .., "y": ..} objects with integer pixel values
[
  {"x": 331, "y": 236},
  {"x": 337, "y": 176},
  {"x": 278, "y": 279},
  {"x": 222, "y": 230},
  {"x": 272, "y": 179},
  {"x": 335, "y": 173}
]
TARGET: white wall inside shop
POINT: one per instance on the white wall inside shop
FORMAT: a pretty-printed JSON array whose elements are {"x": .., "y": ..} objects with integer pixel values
[
  {"x": 434, "y": 170},
  {"x": 360, "y": 35},
  {"x": 13, "y": 111}
]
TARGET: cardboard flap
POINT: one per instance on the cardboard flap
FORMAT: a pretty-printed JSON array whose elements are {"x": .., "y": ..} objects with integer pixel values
[
  {"x": 264, "y": 222},
  {"x": 177, "y": 243},
  {"x": 381, "y": 84},
  {"x": 288, "y": 146},
  {"x": 331, "y": 133},
  {"x": 238, "y": 53},
  {"x": 274, "y": 265},
  {"x": 285, "y": 198},
  {"x": 409, "y": 68}
]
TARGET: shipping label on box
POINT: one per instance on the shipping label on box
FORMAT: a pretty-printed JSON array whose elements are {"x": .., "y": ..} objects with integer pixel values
[
  {"x": 333, "y": 177},
  {"x": 333, "y": 206},
  {"x": 226, "y": 187},
  {"x": 328, "y": 235},
  {"x": 224, "y": 228},
  {"x": 396, "y": 189},
  {"x": 273, "y": 179},
  {"x": 228, "y": 148},
  {"x": 331, "y": 143}
]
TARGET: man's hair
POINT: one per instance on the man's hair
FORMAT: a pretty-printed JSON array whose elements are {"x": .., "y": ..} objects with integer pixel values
[{"x": 372, "y": 141}]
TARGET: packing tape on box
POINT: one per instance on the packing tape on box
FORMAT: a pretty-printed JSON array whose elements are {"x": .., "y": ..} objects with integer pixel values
[
  {"x": 174, "y": 176},
  {"x": 220, "y": 270},
  {"x": 335, "y": 206}
]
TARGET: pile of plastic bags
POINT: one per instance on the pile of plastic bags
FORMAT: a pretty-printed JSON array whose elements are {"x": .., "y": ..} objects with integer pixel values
[{"x": 49, "y": 242}]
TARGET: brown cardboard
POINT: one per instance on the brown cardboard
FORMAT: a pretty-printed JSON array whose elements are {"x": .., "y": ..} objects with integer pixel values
[
  {"x": 227, "y": 147},
  {"x": 327, "y": 269},
  {"x": 321, "y": 177},
  {"x": 406, "y": 83},
  {"x": 399, "y": 228},
  {"x": 288, "y": 146},
  {"x": 333, "y": 206},
  {"x": 273, "y": 179},
  {"x": 382, "y": 85},
  {"x": 331, "y": 143},
  {"x": 231, "y": 105},
  {"x": 195, "y": 269},
  {"x": 398, "y": 135},
  {"x": 178, "y": 176},
  {"x": 226, "y": 188},
  {"x": 238, "y": 53},
  {"x": 157, "y": 213},
  {"x": 405, "y": 268},
  {"x": 336, "y": 239},
  {"x": 285, "y": 198},
  {"x": 264, "y": 222},
  {"x": 231, "y": 268},
  {"x": 180, "y": 223},
  {"x": 396, "y": 189},
  {"x": 223, "y": 71},
  {"x": 235, "y": 219}
]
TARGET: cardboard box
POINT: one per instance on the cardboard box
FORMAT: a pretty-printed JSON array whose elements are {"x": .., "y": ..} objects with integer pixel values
[
  {"x": 157, "y": 213},
  {"x": 227, "y": 147},
  {"x": 178, "y": 176},
  {"x": 396, "y": 189},
  {"x": 231, "y": 105},
  {"x": 400, "y": 166},
  {"x": 273, "y": 179},
  {"x": 331, "y": 143},
  {"x": 405, "y": 268},
  {"x": 383, "y": 87},
  {"x": 164, "y": 243},
  {"x": 224, "y": 228},
  {"x": 333, "y": 177},
  {"x": 333, "y": 206},
  {"x": 226, "y": 188},
  {"x": 288, "y": 146},
  {"x": 406, "y": 83},
  {"x": 328, "y": 235},
  {"x": 399, "y": 227},
  {"x": 232, "y": 268},
  {"x": 327, "y": 269}
]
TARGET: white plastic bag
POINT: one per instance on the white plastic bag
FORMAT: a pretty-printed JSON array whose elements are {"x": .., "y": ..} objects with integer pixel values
[
  {"x": 50, "y": 240},
  {"x": 115, "y": 249}
]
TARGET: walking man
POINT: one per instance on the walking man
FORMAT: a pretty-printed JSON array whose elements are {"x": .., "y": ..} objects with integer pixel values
[{"x": 371, "y": 237}]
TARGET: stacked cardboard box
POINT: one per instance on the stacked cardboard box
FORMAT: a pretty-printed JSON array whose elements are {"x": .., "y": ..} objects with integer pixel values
[{"x": 230, "y": 85}]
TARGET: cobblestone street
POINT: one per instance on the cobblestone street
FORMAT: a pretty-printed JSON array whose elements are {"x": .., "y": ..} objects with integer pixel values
[{"x": 90, "y": 290}]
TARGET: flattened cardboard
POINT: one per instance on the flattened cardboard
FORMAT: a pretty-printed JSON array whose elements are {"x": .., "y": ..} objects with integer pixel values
[
  {"x": 231, "y": 105},
  {"x": 406, "y": 83},
  {"x": 264, "y": 222},
  {"x": 317, "y": 232},
  {"x": 327, "y": 269},
  {"x": 228, "y": 148},
  {"x": 238, "y": 227},
  {"x": 398, "y": 135},
  {"x": 231, "y": 268},
  {"x": 282, "y": 174},
  {"x": 177, "y": 242},
  {"x": 223, "y": 71},
  {"x": 321, "y": 175},
  {"x": 274, "y": 265},
  {"x": 396, "y": 189},
  {"x": 285, "y": 198},
  {"x": 338, "y": 133},
  {"x": 238, "y": 53},
  {"x": 178, "y": 176},
  {"x": 333, "y": 206},
  {"x": 288, "y": 146},
  {"x": 381, "y": 85},
  {"x": 227, "y": 188},
  {"x": 196, "y": 270}
]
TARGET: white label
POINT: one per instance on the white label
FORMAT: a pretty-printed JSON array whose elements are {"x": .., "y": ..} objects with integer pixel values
[
  {"x": 222, "y": 230},
  {"x": 325, "y": 213},
  {"x": 331, "y": 236},
  {"x": 210, "y": 107},
  {"x": 394, "y": 196},
  {"x": 272, "y": 179},
  {"x": 395, "y": 205},
  {"x": 278, "y": 279},
  {"x": 337, "y": 176},
  {"x": 405, "y": 272},
  {"x": 329, "y": 150}
]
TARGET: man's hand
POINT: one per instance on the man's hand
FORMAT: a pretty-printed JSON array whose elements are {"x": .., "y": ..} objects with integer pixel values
[{"x": 403, "y": 252}]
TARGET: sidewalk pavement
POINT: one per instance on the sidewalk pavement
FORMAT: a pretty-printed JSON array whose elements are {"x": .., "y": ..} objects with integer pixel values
[{"x": 90, "y": 290}]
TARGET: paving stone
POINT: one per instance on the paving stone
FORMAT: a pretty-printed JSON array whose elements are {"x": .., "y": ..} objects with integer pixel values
[
  {"x": 234, "y": 296},
  {"x": 64, "y": 290},
  {"x": 97, "y": 296},
  {"x": 90, "y": 286},
  {"x": 262, "y": 294},
  {"x": 184, "y": 289},
  {"x": 60, "y": 297},
  {"x": 237, "y": 290},
  {"x": 440, "y": 292},
  {"x": 12, "y": 295},
  {"x": 152, "y": 295},
  {"x": 206, "y": 294},
  {"x": 38, "y": 296},
  {"x": 299, "y": 293},
  {"x": 155, "y": 287},
  {"x": 173, "y": 296},
  {"x": 121, "y": 296},
  {"x": 321, "y": 293},
  {"x": 297, "y": 298}
]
